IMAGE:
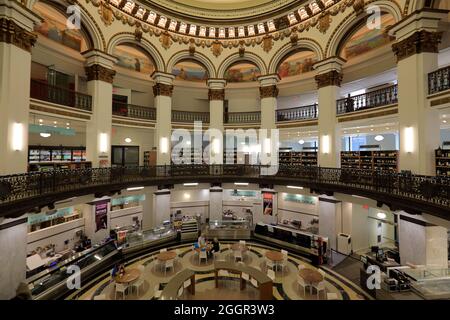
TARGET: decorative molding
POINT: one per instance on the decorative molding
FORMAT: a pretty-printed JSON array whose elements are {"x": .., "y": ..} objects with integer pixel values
[
  {"x": 268, "y": 91},
  {"x": 162, "y": 89},
  {"x": 267, "y": 43},
  {"x": 99, "y": 72},
  {"x": 364, "y": 114},
  {"x": 56, "y": 110},
  {"x": 331, "y": 78},
  {"x": 324, "y": 22},
  {"x": 419, "y": 42},
  {"x": 216, "y": 48},
  {"x": 216, "y": 94},
  {"x": 439, "y": 102},
  {"x": 12, "y": 33}
]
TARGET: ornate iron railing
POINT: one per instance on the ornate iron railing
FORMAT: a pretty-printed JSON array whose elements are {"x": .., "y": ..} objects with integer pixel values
[
  {"x": 43, "y": 91},
  {"x": 242, "y": 117},
  {"x": 373, "y": 99},
  {"x": 189, "y": 116},
  {"x": 416, "y": 192},
  {"x": 133, "y": 111},
  {"x": 298, "y": 113},
  {"x": 439, "y": 80}
]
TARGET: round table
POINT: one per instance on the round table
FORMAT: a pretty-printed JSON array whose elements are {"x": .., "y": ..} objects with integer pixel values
[
  {"x": 275, "y": 256},
  {"x": 129, "y": 276},
  {"x": 239, "y": 247},
  {"x": 310, "y": 276},
  {"x": 166, "y": 255},
  {"x": 206, "y": 248}
]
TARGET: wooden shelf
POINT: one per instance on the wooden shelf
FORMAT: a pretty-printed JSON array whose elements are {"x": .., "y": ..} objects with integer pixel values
[
  {"x": 442, "y": 162},
  {"x": 386, "y": 160},
  {"x": 298, "y": 158}
]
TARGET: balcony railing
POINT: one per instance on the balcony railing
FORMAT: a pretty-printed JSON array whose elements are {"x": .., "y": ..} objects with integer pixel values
[
  {"x": 298, "y": 113},
  {"x": 439, "y": 80},
  {"x": 188, "y": 116},
  {"x": 46, "y": 92},
  {"x": 242, "y": 117},
  {"x": 402, "y": 191},
  {"x": 373, "y": 99},
  {"x": 133, "y": 111}
]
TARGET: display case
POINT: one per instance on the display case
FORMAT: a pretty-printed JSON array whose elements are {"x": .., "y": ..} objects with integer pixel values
[{"x": 229, "y": 229}]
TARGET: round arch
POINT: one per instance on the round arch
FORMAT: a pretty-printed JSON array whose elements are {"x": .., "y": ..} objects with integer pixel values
[
  {"x": 353, "y": 19},
  {"x": 128, "y": 37},
  {"x": 198, "y": 57},
  {"x": 303, "y": 43},
  {"x": 88, "y": 22},
  {"x": 235, "y": 58}
]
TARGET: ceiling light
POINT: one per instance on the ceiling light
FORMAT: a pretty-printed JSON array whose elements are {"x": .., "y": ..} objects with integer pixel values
[
  {"x": 40, "y": 124},
  {"x": 301, "y": 141},
  {"x": 128, "y": 140},
  {"x": 135, "y": 188},
  {"x": 45, "y": 134},
  {"x": 241, "y": 183},
  {"x": 381, "y": 215},
  {"x": 379, "y": 138},
  {"x": 371, "y": 129},
  {"x": 55, "y": 122},
  {"x": 190, "y": 184},
  {"x": 444, "y": 121},
  {"x": 187, "y": 196},
  {"x": 40, "y": 120},
  {"x": 67, "y": 124},
  {"x": 294, "y": 187}
]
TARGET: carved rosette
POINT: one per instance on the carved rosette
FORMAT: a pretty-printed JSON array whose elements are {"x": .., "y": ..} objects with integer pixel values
[
  {"x": 418, "y": 42},
  {"x": 99, "y": 72},
  {"x": 162, "y": 89},
  {"x": 13, "y": 34},
  {"x": 216, "y": 94},
  {"x": 268, "y": 92},
  {"x": 331, "y": 78}
]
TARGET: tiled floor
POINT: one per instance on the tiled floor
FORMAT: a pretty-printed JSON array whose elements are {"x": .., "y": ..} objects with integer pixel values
[{"x": 285, "y": 285}]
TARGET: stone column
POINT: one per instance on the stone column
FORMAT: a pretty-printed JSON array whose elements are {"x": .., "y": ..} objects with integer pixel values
[
  {"x": 100, "y": 75},
  {"x": 161, "y": 206},
  {"x": 328, "y": 78},
  {"x": 268, "y": 92},
  {"x": 162, "y": 90},
  {"x": 16, "y": 41},
  {"x": 416, "y": 49},
  {"x": 216, "y": 96},
  {"x": 330, "y": 216},
  {"x": 215, "y": 203}
]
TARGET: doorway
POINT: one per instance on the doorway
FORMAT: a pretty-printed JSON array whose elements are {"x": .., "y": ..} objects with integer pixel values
[{"x": 125, "y": 156}]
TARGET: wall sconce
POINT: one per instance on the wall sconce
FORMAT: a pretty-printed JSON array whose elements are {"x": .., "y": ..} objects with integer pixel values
[
  {"x": 17, "y": 136},
  {"x": 164, "y": 145},
  {"x": 103, "y": 146},
  {"x": 267, "y": 145},
  {"x": 216, "y": 146},
  {"x": 409, "y": 139},
  {"x": 325, "y": 144}
]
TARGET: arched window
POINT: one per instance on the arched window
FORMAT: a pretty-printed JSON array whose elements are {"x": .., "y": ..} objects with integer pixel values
[
  {"x": 365, "y": 38},
  {"x": 242, "y": 72},
  {"x": 134, "y": 58},
  {"x": 54, "y": 28},
  {"x": 296, "y": 63},
  {"x": 189, "y": 70}
]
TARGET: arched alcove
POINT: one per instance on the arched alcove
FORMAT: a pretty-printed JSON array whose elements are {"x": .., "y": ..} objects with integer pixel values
[
  {"x": 190, "y": 70},
  {"x": 133, "y": 57},
  {"x": 242, "y": 71},
  {"x": 296, "y": 63}
]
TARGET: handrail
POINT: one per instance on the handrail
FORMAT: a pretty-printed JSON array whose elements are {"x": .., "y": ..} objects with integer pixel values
[
  {"x": 242, "y": 117},
  {"x": 402, "y": 190},
  {"x": 133, "y": 111},
  {"x": 43, "y": 91},
  {"x": 298, "y": 113},
  {"x": 439, "y": 80},
  {"x": 189, "y": 116},
  {"x": 373, "y": 99}
]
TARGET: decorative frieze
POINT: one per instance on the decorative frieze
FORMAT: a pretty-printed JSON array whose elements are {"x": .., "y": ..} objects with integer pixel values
[
  {"x": 268, "y": 91},
  {"x": 162, "y": 89},
  {"x": 12, "y": 33},
  {"x": 331, "y": 78},
  {"x": 99, "y": 72},
  {"x": 216, "y": 94},
  {"x": 418, "y": 42}
]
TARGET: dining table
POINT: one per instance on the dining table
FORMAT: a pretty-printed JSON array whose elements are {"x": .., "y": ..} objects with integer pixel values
[
  {"x": 311, "y": 277},
  {"x": 129, "y": 276},
  {"x": 166, "y": 256}
]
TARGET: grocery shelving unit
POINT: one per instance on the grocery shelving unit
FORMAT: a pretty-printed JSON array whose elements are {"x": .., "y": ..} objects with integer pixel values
[
  {"x": 385, "y": 160},
  {"x": 298, "y": 158},
  {"x": 442, "y": 158}
]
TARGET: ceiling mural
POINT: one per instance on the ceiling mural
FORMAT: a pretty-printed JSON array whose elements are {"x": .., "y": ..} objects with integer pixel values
[
  {"x": 366, "y": 40},
  {"x": 133, "y": 58},
  {"x": 189, "y": 71},
  {"x": 296, "y": 64},
  {"x": 54, "y": 27},
  {"x": 242, "y": 72}
]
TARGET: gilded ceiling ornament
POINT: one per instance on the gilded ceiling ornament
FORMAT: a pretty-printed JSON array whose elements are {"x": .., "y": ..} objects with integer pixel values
[
  {"x": 267, "y": 43},
  {"x": 294, "y": 38},
  {"x": 106, "y": 13},
  {"x": 192, "y": 47},
  {"x": 358, "y": 6},
  {"x": 216, "y": 48},
  {"x": 138, "y": 33},
  {"x": 324, "y": 22},
  {"x": 165, "y": 40}
]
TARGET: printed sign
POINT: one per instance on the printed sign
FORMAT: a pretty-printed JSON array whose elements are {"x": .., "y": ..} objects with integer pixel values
[
  {"x": 101, "y": 215},
  {"x": 268, "y": 204}
]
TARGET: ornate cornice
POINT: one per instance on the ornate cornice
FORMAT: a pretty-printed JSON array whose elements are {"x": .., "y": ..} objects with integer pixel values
[
  {"x": 162, "y": 89},
  {"x": 216, "y": 94},
  {"x": 331, "y": 78},
  {"x": 12, "y": 33},
  {"x": 268, "y": 91},
  {"x": 418, "y": 42},
  {"x": 99, "y": 72}
]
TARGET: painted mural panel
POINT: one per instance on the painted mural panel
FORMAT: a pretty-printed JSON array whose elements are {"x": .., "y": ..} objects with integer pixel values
[
  {"x": 133, "y": 58},
  {"x": 189, "y": 71},
  {"x": 296, "y": 64},
  {"x": 54, "y": 27},
  {"x": 242, "y": 72}
]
